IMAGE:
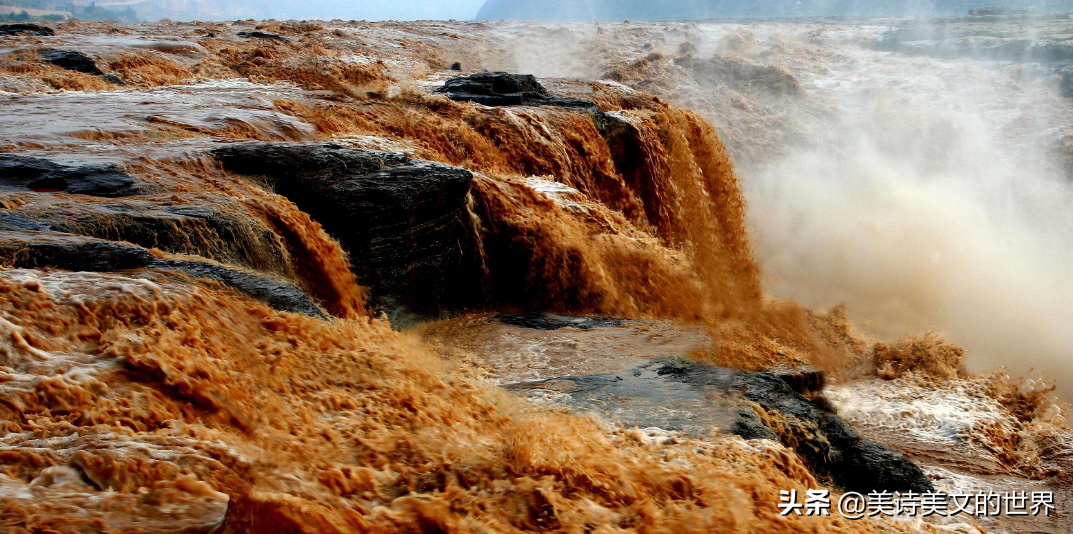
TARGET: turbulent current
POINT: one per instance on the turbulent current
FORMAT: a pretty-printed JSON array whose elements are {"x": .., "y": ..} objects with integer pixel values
[
  {"x": 926, "y": 189},
  {"x": 340, "y": 277}
]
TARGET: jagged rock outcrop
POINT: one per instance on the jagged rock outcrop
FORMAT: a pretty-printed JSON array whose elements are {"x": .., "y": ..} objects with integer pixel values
[
  {"x": 71, "y": 60},
  {"x": 623, "y": 139},
  {"x": 826, "y": 443},
  {"x": 404, "y": 222},
  {"x": 805, "y": 380},
  {"x": 505, "y": 89}
]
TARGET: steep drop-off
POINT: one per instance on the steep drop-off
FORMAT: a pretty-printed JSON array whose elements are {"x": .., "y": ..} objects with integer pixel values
[{"x": 161, "y": 369}]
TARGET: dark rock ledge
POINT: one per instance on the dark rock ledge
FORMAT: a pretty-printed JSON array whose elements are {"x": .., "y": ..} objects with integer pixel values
[
  {"x": 41, "y": 175},
  {"x": 676, "y": 394},
  {"x": 263, "y": 35},
  {"x": 551, "y": 321},
  {"x": 77, "y": 62},
  {"x": 403, "y": 222},
  {"x": 208, "y": 225},
  {"x": 33, "y": 249},
  {"x": 505, "y": 89},
  {"x": 26, "y": 28}
]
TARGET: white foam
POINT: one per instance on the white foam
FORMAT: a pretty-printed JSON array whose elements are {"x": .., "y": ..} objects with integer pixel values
[
  {"x": 937, "y": 415},
  {"x": 560, "y": 193}
]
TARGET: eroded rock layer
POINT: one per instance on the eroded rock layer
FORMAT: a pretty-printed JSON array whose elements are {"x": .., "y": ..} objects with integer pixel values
[{"x": 191, "y": 328}]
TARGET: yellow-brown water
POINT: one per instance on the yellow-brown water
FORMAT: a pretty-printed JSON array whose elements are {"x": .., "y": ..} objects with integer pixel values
[{"x": 134, "y": 402}]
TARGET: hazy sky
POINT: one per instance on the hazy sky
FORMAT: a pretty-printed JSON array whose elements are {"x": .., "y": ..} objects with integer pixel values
[
  {"x": 412, "y": 9},
  {"x": 375, "y": 10}
]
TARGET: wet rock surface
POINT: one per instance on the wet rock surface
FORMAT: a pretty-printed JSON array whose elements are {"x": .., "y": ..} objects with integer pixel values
[
  {"x": 278, "y": 294},
  {"x": 42, "y": 175},
  {"x": 505, "y": 89},
  {"x": 70, "y": 252},
  {"x": 403, "y": 221},
  {"x": 551, "y": 321},
  {"x": 9, "y": 222},
  {"x": 126, "y": 209},
  {"x": 263, "y": 35},
  {"x": 692, "y": 397},
  {"x": 54, "y": 223},
  {"x": 29, "y": 249},
  {"x": 78, "y": 62},
  {"x": 804, "y": 380},
  {"x": 205, "y": 227},
  {"x": 622, "y": 139},
  {"x": 25, "y": 29}
]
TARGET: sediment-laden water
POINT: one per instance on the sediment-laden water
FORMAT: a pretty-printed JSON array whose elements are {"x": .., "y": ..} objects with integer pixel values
[{"x": 284, "y": 282}]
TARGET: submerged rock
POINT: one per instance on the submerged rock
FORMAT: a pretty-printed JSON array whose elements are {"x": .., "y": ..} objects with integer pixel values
[
  {"x": 25, "y": 28},
  {"x": 505, "y": 89},
  {"x": 404, "y": 222},
  {"x": 70, "y": 252},
  {"x": 676, "y": 394},
  {"x": 42, "y": 175}
]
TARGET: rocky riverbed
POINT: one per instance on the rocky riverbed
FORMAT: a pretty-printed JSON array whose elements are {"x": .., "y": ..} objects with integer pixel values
[{"x": 335, "y": 277}]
